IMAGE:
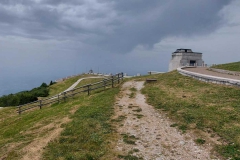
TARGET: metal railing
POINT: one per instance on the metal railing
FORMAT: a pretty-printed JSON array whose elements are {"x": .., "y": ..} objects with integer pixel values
[{"x": 63, "y": 96}]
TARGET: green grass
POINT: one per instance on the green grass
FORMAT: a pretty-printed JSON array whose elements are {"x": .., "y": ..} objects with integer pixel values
[
  {"x": 235, "y": 66},
  {"x": 86, "y": 137},
  {"x": 20, "y": 130},
  {"x": 89, "y": 122},
  {"x": 198, "y": 105}
]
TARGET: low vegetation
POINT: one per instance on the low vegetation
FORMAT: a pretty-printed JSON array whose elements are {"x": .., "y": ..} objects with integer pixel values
[
  {"x": 197, "y": 105},
  {"x": 235, "y": 66}
]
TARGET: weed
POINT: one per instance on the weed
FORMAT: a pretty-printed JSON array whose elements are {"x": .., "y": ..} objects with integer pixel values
[
  {"x": 174, "y": 125},
  {"x": 135, "y": 150},
  {"x": 132, "y": 95},
  {"x": 129, "y": 139},
  {"x": 183, "y": 128},
  {"x": 119, "y": 119},
  {"x": 129, "y": 157},
  {"x": 138, "y": 115},
  {"x": 137, "y": 110},
  {"x": 133, "y": 89},
  {"x": 200, "y": 141}
]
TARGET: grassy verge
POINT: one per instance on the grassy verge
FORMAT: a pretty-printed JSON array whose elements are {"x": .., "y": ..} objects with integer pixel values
[
  {"x": 235, "y": 66},
  {"x": 86, "y": 137},
  {"x": 202, "y": 106}
]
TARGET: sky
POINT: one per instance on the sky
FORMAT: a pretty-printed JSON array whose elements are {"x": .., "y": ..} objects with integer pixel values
[{"x": 43, "y": 40}]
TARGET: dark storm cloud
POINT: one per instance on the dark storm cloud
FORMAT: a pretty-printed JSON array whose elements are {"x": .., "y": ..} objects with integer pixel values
[
  {"x": 150, "y": 22},
  {"x": 117, "y": 26}
]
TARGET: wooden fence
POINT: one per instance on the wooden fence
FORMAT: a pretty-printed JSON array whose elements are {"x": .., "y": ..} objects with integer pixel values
[{"x": 63, "y": 96}]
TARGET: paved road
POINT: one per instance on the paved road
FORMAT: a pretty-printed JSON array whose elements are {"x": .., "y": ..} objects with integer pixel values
[
  {"x": 203, "y": 70},
  {"x": 74, "y": 85},
  {"x": 78, "y": 81}
]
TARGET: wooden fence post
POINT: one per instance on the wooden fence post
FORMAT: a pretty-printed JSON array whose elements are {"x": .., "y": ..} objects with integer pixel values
[
  {"x": 88, "y": 89},
  {"x": 118, "y": 78},
  {"x": 19, "y": 110},
  {"x": 112, "y": 82},
  {"x": 64, "y": 96},
  {"x": 104, "y": 84},
  {"x": 58, "y": 99},
  {"x": 40, "y": 104}
]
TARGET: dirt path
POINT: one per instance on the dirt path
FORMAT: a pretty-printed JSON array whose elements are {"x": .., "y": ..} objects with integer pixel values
[
  {"x": 203, "y": 70},
  {"x": 34, "y": 150},
  {"x": 146, "y": 133}
]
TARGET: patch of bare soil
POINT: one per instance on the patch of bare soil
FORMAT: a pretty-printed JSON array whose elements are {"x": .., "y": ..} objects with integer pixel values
[
  {"x": 34, "y": 150},
  {"x": 146, "y": 133}
]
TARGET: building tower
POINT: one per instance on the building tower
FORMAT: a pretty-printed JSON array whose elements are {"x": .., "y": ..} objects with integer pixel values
[{"x": 185, "y": 57}]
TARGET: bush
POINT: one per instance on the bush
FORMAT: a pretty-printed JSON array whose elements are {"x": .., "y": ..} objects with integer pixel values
[{"x": 24, "y": 96}]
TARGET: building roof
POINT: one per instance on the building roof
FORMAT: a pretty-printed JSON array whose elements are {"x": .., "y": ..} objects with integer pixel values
[{"x": 184, "y": 50}]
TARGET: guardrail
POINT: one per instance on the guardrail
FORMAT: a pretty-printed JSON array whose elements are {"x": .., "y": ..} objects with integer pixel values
[{"x": 63, "y": 96}]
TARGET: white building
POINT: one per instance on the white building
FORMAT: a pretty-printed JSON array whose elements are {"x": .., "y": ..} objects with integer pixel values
[{"x": 185, "y": 57}]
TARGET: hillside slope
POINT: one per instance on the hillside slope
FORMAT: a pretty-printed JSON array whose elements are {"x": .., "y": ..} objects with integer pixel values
[
  {"x": 235, "y": 66},
  {"x": 29, "y": 135},
  {"x": 83, "y": 127}
]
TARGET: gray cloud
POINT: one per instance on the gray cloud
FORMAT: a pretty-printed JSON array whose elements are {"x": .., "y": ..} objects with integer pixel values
[{"x": 113, "y": 25}]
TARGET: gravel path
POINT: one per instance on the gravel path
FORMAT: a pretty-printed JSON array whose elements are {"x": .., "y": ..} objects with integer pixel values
[
  {"x": 203, "y": 70},
  {"x": 151, "y": 131}
]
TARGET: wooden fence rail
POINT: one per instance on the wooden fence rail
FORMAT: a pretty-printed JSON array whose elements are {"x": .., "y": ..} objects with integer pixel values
[{"x": 63, "y": 96}]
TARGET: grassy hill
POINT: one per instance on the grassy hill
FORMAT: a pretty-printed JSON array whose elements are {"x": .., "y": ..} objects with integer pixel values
[
  {"x": 81, "y": 123},
  {"x": 81, "y": 126},
  {"x": 235, "y": 66}
]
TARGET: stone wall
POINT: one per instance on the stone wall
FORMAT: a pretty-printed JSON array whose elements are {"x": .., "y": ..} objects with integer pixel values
[{"x": 208, "y": 78}]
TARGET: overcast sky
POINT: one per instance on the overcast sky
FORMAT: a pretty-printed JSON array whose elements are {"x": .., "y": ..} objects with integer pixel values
[{"x": 64, "y": 37}]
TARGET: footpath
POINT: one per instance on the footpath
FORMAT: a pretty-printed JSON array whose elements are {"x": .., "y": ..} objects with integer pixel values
[{"x": 147, "y": 133}]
